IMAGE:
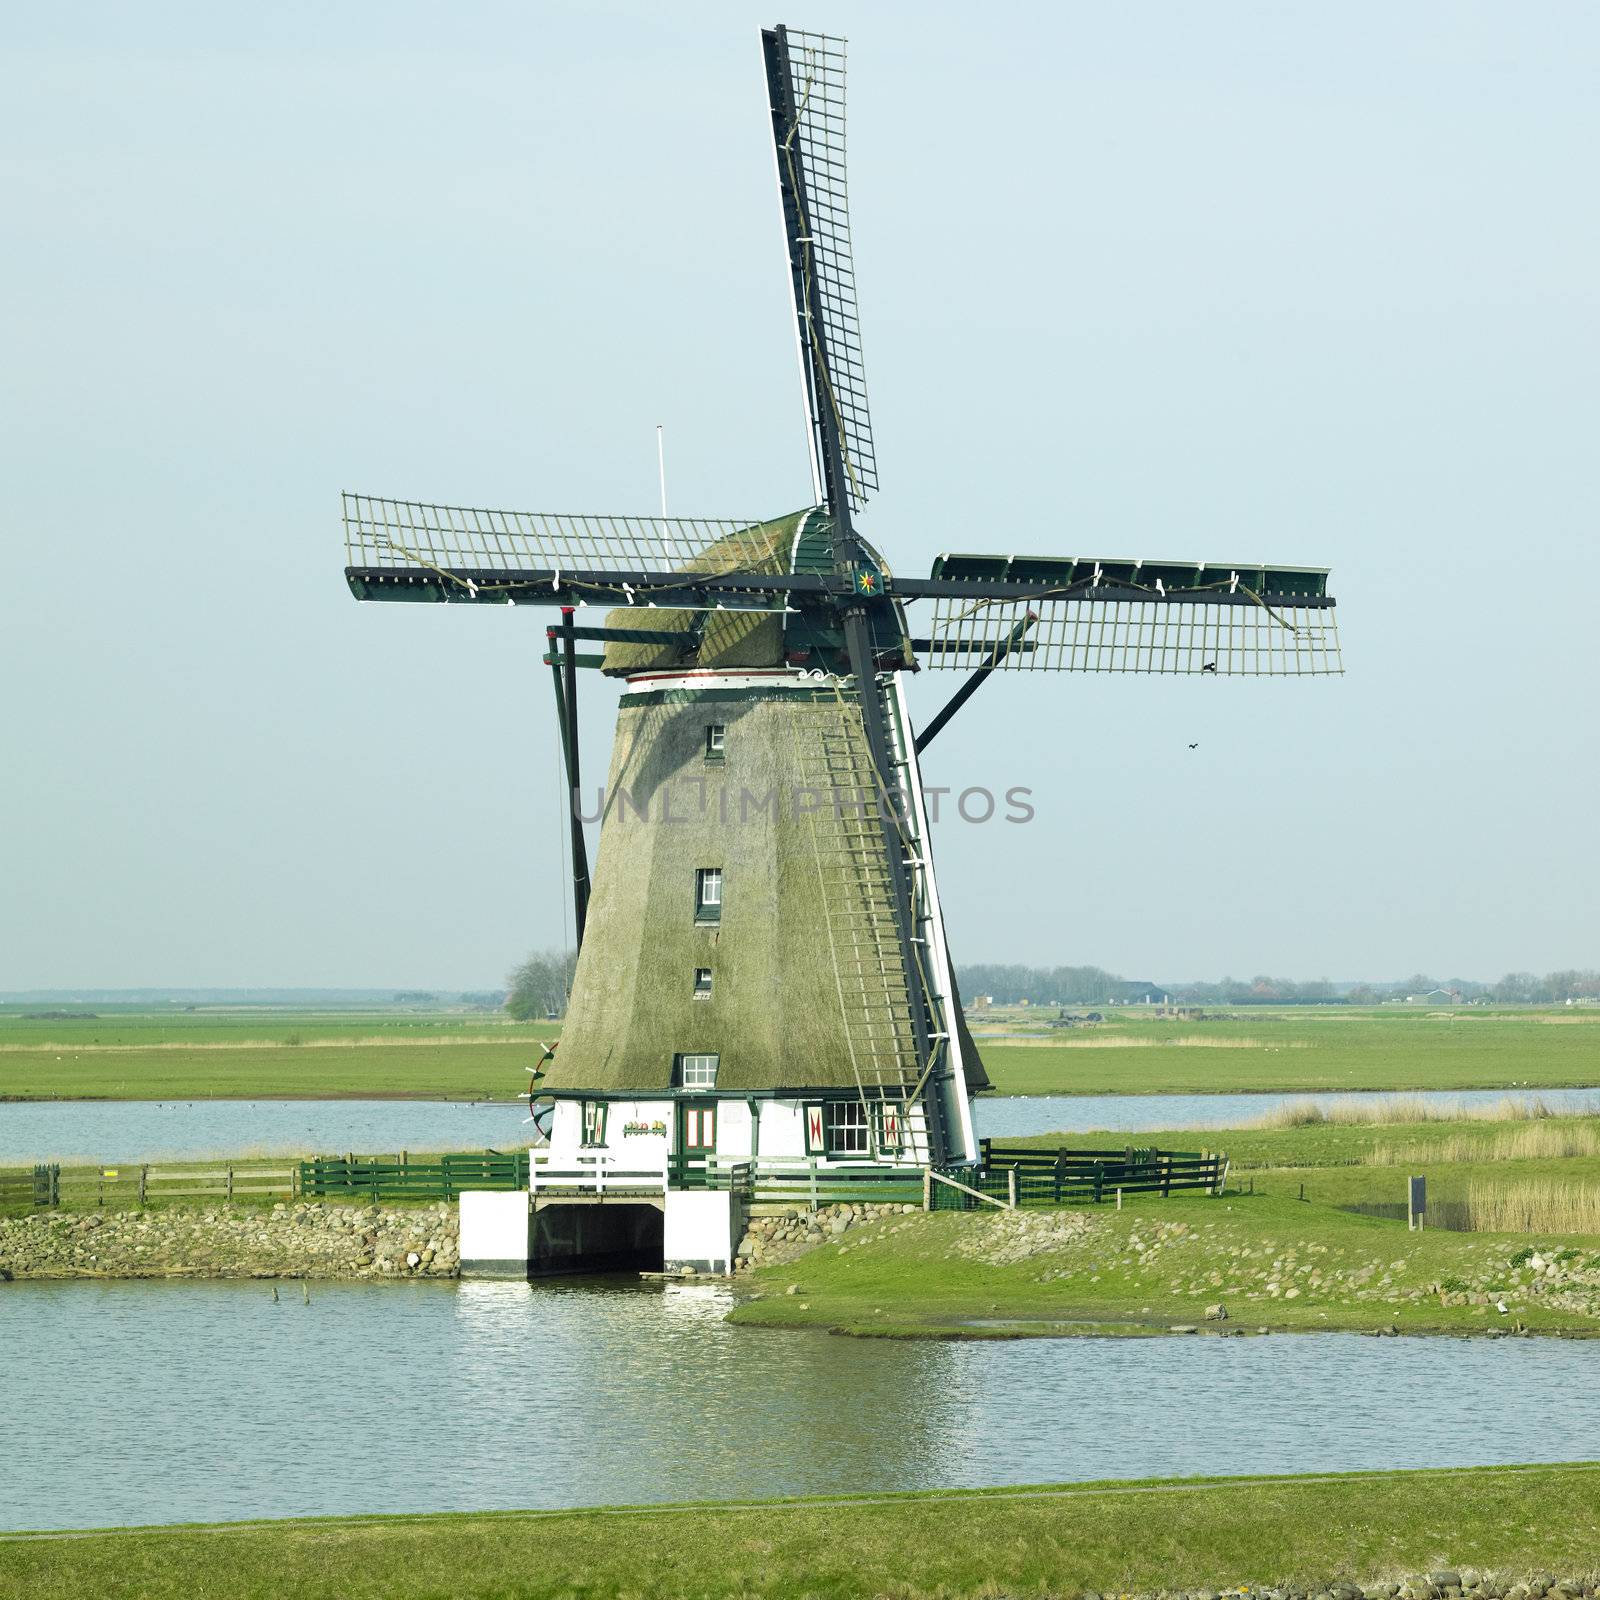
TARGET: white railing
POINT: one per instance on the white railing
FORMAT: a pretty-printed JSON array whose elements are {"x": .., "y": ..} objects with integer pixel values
[{"x": 595, "y": 1172}]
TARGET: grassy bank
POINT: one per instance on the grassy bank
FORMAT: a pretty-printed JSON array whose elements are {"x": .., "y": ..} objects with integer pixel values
[
  {"x": 1270, "y": 1260},
  {"x": 258, "y": 1055},
  {"x": 1105, "y": 1538}
]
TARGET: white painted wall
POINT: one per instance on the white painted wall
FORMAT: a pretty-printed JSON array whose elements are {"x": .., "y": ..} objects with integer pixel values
[
  {"x": 700, "y": 1229},
  {"x": 495, "y": 1233},
  {"x": 783, "y": 1128}
]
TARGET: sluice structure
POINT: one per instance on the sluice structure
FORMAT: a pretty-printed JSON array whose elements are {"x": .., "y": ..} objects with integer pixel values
[{"x": 764, "y": 1008}]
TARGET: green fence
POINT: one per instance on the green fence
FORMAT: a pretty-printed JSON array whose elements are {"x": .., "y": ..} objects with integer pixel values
[
  {"x": 1026, "y": 1175},
  {"x": 809, "y": 1183},
  {"x": 398, "y": 1178}
]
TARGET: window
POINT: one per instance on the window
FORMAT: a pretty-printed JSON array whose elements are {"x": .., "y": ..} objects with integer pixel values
[
  {"x": 594, "y": 1122},
  {"x": 708, "y": 894},
  {"x": 697, "y": 1072},
  {"x": 702, "y": 983},
  {"x": 844, "y": 1128},
  {"x": 716, "y": 741}
]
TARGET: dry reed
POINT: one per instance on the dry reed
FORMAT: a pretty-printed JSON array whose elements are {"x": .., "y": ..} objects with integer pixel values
[
  {"x": 1400, "y": 1108},
  {"x": 1535, "y": 1142},
  {"x": 1537, "y": 1206}
]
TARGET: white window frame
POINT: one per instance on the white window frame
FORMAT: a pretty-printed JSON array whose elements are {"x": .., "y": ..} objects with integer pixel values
[
  {"x": 708, "y": 894},
  {"x": 845, "y": 1128},
  {"x": 702, "y": 991},
  {"x": 716, "y": 740},
  {"x": 698, "y": 1070}
]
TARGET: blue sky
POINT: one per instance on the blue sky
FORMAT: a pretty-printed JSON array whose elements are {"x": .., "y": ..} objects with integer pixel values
[{"x": 1293, "y": 283}]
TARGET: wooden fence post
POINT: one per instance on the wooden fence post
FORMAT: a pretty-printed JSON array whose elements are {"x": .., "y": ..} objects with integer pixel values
[
  {"x": 144, "y": 1174},
  {"x": 230, "y": 1182},
  {"x": 1011, "y": 1186},
  {"x": 927, "y": 1188}
]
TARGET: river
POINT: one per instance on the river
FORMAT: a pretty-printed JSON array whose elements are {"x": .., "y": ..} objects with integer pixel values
[
  {"x": 144, "y": 1130},
  {"x": 136, "y": 1402}
]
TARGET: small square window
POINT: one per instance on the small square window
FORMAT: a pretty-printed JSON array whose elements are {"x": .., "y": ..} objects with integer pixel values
[
  {"x": 716, "y": 741},
  {"x": 708, "y": 894},
  {"x": 697, "y": 1071},
  {"x": 702, "y": 983},
  {"x": 594, "y": 1123},
  {"x": 844, "y": 1127}
]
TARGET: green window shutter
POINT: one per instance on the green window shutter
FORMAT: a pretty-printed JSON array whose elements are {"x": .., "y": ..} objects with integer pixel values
[
  {"x": 888, "y": 1126},
  {"x": 816, "y": 1134}
]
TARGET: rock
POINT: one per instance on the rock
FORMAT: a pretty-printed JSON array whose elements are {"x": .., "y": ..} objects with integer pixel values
[
  {"x": 794, "y": 1288},
  {"x": 1445, "y": 1579},
  {"x": 1183, "y": 1327},
  {"x": 1217, "y": 1313}
]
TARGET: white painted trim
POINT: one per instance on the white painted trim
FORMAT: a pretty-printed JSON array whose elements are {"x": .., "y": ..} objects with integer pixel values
[
  {"x": 941, "y": 951},
  {"x": 709, "y": 678}
]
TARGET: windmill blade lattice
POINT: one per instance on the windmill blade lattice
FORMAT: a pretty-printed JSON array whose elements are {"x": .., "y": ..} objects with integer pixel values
[
  {"x": 405, "y": 535},
  {"x": 816, "y": 153},
  {"x": 1251, "y": 639},
  {"x": 1097, "y": 614}
]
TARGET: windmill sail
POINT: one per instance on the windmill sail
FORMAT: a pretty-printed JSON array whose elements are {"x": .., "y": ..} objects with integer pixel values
[
  {"x": 1099, "y": 615},
  {"x": 402, "y": 534},
  {"x": 806, "y": 86}
]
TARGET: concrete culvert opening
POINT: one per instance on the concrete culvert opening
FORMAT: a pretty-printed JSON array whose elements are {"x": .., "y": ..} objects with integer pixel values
[{"x": 597, "y": 1238}]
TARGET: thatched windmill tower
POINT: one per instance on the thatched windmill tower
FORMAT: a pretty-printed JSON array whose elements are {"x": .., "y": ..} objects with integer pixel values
[{"x": 763, "y": 973}]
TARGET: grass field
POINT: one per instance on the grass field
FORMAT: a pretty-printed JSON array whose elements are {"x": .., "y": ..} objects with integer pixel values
[
  {"x": 1305, "y": 1050},
  {"x": 1106, "y": 1538},
  {"x": 268, "y": 1055},
  {"x": 276, "y": 1054}
]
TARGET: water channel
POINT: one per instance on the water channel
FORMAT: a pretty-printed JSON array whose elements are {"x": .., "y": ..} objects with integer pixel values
[
  {"x": 584, "y": 1392},
  {"x": 141, "y": 1130}
]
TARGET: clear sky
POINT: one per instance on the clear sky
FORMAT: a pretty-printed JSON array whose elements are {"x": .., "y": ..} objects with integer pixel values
[{"x": 1289, "y": 282}]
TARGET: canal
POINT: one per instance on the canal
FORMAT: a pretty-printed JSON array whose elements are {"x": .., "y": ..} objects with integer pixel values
[{"x": 132, "y": 1402}]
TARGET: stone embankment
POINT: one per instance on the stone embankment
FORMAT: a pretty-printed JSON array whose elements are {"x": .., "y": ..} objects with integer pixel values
[
  {"x": 1441, "y": 1584},
  {"x": 308, "y": 1240},
  {"x": 791, "y": 1232}
]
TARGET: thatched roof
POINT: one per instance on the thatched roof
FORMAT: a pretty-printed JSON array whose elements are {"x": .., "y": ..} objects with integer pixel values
[
  {"x": 785, "y": 1011},
  {"x": 799, "y": 542}
]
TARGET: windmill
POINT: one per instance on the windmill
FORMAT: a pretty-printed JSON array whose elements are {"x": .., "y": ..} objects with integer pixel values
[{"x": 763, "y": 971}]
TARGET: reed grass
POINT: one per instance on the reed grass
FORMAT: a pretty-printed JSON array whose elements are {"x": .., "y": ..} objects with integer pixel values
[
  {"x": 1401, "y": 1108},
  {"x": 1537, "y": 1141},
  {"x": 1541, "y": 1206}
]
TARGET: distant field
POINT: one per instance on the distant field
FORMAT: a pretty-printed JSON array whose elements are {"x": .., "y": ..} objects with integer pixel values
[
  {"x": 269, "y": 1054},
  {"x": 278, "y": 1054},
  {"x": 1306, "y": 1051}
]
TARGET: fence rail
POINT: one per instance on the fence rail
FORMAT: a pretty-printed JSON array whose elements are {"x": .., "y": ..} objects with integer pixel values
[
  {"x": 141, "y": 1183},
  {"x": 378, "y": 1178},
  {"x": 1022, "y": 1175}
]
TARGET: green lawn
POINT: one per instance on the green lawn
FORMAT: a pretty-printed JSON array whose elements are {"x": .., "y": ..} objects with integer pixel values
[
  {"x": 1272, "y": 1260},
  {"x": 1109, "y": 1538},
  {"x": 1304, "y": 1050}
]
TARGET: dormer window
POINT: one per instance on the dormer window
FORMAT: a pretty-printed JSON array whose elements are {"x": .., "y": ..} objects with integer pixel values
[
  {"x": 716, "y": 741},
  {"x": 702, "y": 983},
  {"x": 697, "y": 1071}
]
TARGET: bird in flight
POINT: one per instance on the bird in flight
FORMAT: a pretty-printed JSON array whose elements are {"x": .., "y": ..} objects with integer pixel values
[
  {"x": 1195, "y": 746},
  {"x": 1210, "y": 666}
]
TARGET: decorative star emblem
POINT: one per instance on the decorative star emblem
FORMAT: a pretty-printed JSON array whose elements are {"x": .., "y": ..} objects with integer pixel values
[{"x": 866, "y": 582}]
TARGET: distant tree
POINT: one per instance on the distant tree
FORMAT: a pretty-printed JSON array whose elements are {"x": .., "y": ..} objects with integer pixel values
[
  {"x": 1362, "y": 994},
  {"x": 541, "y": 984}
]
